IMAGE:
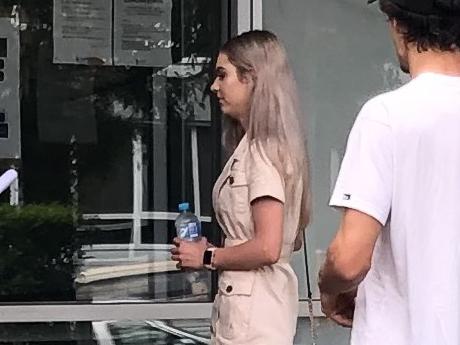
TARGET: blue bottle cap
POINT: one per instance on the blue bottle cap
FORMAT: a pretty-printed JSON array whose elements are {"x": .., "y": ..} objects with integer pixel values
[{"x": 185, "y": 206}]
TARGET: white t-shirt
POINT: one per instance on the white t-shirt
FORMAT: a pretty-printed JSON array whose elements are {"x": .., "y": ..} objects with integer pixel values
[{"x": 402, "y": 167}]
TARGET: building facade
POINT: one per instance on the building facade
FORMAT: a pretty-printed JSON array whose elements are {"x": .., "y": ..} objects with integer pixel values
[{"x": 106, "y": 114}]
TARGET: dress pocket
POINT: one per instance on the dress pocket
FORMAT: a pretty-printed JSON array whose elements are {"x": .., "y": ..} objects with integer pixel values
[
  {"x": 239, "y": 190},
  {"x": 235, "y": 303}
]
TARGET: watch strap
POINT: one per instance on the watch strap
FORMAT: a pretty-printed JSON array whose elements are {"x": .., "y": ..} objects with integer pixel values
[{"x": 208, "y": 258}]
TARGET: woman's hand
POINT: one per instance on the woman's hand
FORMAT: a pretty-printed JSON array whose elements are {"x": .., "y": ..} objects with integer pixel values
[{"x": 189, "y": 254}]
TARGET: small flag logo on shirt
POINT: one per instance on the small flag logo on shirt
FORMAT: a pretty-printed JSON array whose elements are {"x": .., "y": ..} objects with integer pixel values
[{"x": 346, "y": 196}]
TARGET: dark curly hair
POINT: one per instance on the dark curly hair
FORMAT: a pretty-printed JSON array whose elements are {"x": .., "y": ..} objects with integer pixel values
[{"x": 439, "y": 31}]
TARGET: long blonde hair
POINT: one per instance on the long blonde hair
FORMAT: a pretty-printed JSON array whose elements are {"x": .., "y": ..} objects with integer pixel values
[{"x": 274, "y": 120}]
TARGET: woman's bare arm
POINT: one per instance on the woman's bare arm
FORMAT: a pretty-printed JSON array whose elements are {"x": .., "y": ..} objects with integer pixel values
[{"x": 265, "y": 248}]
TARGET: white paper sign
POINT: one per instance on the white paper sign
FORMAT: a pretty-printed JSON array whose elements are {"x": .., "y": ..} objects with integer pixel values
[
  {"x": 142, "y": 33},
  {"x": 83, "y": 32}
]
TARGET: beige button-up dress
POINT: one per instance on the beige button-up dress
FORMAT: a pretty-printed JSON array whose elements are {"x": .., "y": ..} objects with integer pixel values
[{"x": 257, "y": 307}]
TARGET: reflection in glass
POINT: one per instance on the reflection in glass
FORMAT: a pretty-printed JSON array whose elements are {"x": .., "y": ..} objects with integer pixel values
[
  {"x": 110, "y": 145},
  {"x": 152, "y": 332},
  {"x": 110, "y": 268},
  {"x": 141, "y": 332}
]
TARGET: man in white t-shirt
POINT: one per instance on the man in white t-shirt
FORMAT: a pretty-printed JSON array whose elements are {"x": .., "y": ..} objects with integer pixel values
[{"x": 397, "y": 249}]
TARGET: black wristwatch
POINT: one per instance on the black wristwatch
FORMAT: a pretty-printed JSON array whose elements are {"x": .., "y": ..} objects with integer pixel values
[{"x": 208, "y": 258}]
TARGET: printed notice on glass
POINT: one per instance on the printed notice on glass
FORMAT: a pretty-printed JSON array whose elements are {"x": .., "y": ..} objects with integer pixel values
[
  {"x": 83, "y": 32},
  {"x": 142, "y": 33}
]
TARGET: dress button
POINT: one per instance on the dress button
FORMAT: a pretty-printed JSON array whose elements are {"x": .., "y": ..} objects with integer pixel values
[
  {"x": 231, "y": 180},
  {"x": 229, "y": 289}
]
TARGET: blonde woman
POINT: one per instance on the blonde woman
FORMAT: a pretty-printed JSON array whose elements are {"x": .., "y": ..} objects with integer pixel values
[{"x": 261, "y": 199}]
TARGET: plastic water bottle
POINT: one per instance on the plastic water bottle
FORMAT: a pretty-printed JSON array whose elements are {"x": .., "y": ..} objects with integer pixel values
[{"x": 188, "y": 226}]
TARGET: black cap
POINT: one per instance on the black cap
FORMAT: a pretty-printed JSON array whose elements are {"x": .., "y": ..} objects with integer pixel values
[{"x": 427, "y": 7}]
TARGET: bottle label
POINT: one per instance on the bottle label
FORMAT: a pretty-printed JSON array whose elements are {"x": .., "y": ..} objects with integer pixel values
[
  {"x": 183, "y": 231},
  {"x": 192, "y": 230}
]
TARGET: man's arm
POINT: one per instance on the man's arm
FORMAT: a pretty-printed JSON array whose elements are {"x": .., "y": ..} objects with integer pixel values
[
  {"x": 347, "y": 263},
  {"x": 364, "y": 190},
  {"x": 350, "y": 253}
]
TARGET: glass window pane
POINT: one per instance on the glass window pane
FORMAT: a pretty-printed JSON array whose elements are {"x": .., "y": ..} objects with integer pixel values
[{"x": 109, "y": 147}]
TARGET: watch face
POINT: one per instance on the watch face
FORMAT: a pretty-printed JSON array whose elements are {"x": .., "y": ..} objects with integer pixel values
[{"x": 207, "y": 257}]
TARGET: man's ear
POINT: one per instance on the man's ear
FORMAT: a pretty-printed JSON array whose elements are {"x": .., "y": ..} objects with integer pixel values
[
  {"x": 397, "y": 31},
  {"x": 396, "y": 26}
]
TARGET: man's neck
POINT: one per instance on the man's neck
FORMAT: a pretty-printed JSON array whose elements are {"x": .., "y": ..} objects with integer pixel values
[{"x": 446, "y": 63}]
